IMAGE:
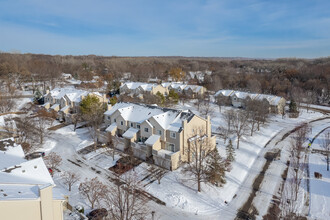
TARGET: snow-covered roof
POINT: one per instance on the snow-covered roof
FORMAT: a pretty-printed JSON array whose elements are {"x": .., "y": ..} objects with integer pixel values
[
  {"x": 130, "y": 133},
  {"x": 241, "y": 95},
  {"x": 169, "y": 119},
  {"x": 55, "y": 106},
  {"x": 66, "y": 75},
  {"x": 28, "y": 172},
  {"x": 47, "y": 103},
  {"x": 178, "y": 86},
  {"x": 111, "y": 127},
  {"x": 276, "y": 100},
  {"x": 132, "y": 85},
  {"x": 133, "y": 112},
  {"x": 10, "y": 153},
  {"x": 147, "y": 87},
  {"x": 64, "y": 108},
  {"x": 224, "y": 92},
  {"x": 74, "y": 95},
  {"x": 272, "y": 99},
  {"x": 152, "y": 139},
  {"x": 194, "y": 88}
]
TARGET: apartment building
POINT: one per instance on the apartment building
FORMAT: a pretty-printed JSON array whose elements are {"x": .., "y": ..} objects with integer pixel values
[{"x": 162, "y": 135}]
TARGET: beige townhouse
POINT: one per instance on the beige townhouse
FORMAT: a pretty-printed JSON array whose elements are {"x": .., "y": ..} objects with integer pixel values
[
  {"x": 239, "y": 99},
  {"x": 159, "y": 134},
  {"x": 66, "y": 101}
]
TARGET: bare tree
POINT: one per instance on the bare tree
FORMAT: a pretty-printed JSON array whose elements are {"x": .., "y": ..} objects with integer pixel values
[
  {"x": 326, "y": 147},
  {"x": 93, "y": 190},
  {"x": 240, "y": 122},
  {"x": 252, "y": 107},
  {"x": 53, "y": 160},
  {"x": 125, "y": 201},
  {"x": 222, "y": 101},
  {"x": 288, "y": 206},
  {"x": 205, "y": 108},
  {"x": 158, "y": 173},
  {"x": 227, "y": 129},
  {"x": 200, "y": 148},
  {"x": 111, "y": 142},
  {"x": 41, "y": 125},
  {"x": 70, "y": 178},
  {"x": 6, "y": 103},
  {"x": 262, "y": 113},
  {"x": 310, "y": 98}
]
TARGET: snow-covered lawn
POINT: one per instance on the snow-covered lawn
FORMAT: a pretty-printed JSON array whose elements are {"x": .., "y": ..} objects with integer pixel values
[
  {"x": 176, "y": 189},
  {"x": 320, "y": 188}
]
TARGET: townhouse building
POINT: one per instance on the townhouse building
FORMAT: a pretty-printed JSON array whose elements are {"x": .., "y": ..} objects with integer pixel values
[{"x": 162, "y": 135}]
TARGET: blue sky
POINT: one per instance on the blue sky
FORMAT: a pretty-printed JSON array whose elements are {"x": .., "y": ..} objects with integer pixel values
[{"x": 222, "y": 28}]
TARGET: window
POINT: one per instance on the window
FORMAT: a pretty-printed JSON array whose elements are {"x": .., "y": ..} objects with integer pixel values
[
  {"x": 114, "y": 120},
  {"x": 159, "y": 132},
  {"x": 121, "y": 122},
  {"x": 170, "y": 147},
  {"x": 131, "y": 124},
  {"x": 173, "y": 135},
  {"x": 146, "y": 129},
  {"x": 109, "y": 118},
  {"x": 138, "y": 126}
]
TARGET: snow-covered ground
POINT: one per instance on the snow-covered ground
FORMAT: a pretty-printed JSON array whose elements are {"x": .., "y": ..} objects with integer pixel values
[
  {"x": 176, "y": 189},
  {"x": 319, "y": 188}
]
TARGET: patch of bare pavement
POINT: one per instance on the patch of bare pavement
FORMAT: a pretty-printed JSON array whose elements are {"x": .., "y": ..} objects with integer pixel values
[{"x": 247, "y": 210}]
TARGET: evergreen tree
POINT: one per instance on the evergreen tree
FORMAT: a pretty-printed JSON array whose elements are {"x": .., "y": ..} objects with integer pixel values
[
  {"x": 216, "y": 168},
  {"x": 293, "y": 106},
  {"x": 230, "y": 152}
]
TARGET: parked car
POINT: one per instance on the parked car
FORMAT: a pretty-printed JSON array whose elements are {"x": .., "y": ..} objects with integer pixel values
[
  {"x": 34, "y": 155},
  {"x": 97, "y": 214},
  {"x": 51, "y": 172}
]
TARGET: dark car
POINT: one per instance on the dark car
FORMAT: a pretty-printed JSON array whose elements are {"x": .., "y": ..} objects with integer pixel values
[
  {"x": 34, "y": 155},
  {"x": 97, "y": 214}
]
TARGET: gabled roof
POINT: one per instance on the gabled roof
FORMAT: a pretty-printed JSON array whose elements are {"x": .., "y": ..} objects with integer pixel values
[
  {"x": 111, "y": 127},
  {"x": 194, "y": 88},
  {"x": 241, "y": 95},
  {"x": 169, "y": 119},
  {"x": 130, "y": 133},
  {"x": 224, "y": 92},
  {"x": 152, "y": 140}
]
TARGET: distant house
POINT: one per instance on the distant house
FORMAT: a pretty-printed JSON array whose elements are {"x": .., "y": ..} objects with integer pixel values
[
  {"x": 66, "y": 101},
  {"x": 26, "y": 187},
  {"x": 159, "y": 134},
  {"x": 276, "y": 103},
  {"x": 194, "y": 91},
  {"x": 199, "y": 75},
  {"x": 239, "y": 99},
  {"x": 66, "y": 76},
  {"x": 137, "y": 88}
]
